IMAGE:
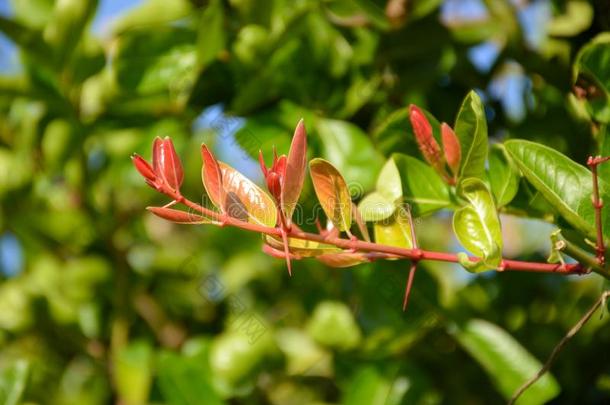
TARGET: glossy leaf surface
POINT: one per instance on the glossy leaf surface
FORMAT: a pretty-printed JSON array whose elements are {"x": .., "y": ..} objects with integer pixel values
[
  {"x": 477, "y": 226},
  {"x": 245, "y": 200},
  {"x": 503, "y": 178},
  {"x": 471, "y": 129},
  {"x": 212, "y": 177},
  {"x": 296, "y": 166},
  {"x": 332, "y": 193},
  {"x": 565, "y": 184}
]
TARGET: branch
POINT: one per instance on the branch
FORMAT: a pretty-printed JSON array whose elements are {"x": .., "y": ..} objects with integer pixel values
[
  {"x": 411, "y": 254},
  {"x": 601, "y": 301},
  {"x": 593, "y": 162}
]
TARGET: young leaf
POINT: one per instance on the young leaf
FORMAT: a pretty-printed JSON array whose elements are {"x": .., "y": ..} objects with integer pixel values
[
  {"x": 245, "y": 200},
  {"x": 477, "y": 225},
  {"x": 396, "y": 231},
  {"x": 180, "y": 217},
  {"x": 388, "y": 182},
  {"x": 421, "y": 186},
  {"x": 375, "y": 207},
  {"x": 343, "y": 259},
  {"x": 211, "y": 177},
  {"x": 451, "y": 147},
  {"x": 565, "y": 184},
  {"x": 503, "y": 178},
  {"x": 428, "y": 146},
  {"x": 471, "y": 129},
  {"x": 591, "y": 68},
  {"x": 295, "y": 171},
  {"x": 301, "y": 247},
  {"x": 332, "y": 193}
]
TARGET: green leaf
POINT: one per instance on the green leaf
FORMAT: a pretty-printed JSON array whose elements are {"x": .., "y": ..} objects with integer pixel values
[
  {"x": 133, "y": 372},
  {"x": 565, "y": 184},
  {"x": 395, "y": 231},
  {"x": 65, "y": 29},
  {"x": 150, "y": 13},
  {"x": 503, "y": 178},
  {"x": 506, "y": 361},
  {"x": 332, "y": 193},
  {"x": 389, "y": 184},
  {"x": 211, "y": 37},
  {"x": 577, "y": 18},
  {"x": 332, "y": 324},
  {"x": 13, "y": 380},
  {"x": 477, "y": 226},
  {"x": 591, "y": 71},
  {"x": 245, "y": 200},
  {"x": 422, "y": 187},
  {"x": 471, "y": 129},
  {"x": 160, "y": 60},
  {"x": 351, "y": 150},
  {"x": 369, "y": 386},
  {"x": 375, "y": 207},
  {"x": 185, "y": 380}
]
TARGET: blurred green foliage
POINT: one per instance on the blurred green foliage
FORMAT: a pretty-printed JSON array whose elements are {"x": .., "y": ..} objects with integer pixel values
[{"x": 113, "y": 305}]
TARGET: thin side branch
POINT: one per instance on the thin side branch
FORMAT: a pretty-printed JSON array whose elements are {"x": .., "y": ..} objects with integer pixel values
[
  {"x": 598, "y": 203},
  {"x": 601, "y": 301}
]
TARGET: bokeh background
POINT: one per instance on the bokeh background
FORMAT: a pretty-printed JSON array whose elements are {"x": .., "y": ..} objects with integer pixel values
[{"x": 100, "y": 302}]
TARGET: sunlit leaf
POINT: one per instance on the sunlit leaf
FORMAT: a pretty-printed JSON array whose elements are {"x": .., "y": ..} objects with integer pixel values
[
  {"x": 565, "y": 184},
  {"x": 471, "y": 129},
  {"x": 506, "y": 361},
  {"x": 342, "y": 259},
  {"x": 395, "y": 231},
  {"x": 301, "y": 247},
  {"x": 477, "y": 226},
  {"x": 375, "y": 207},
  {"x": 212, "y": 177},
  {"x": 246, "y": 201},
  {"x": 503, "y": 178},
  {"x": 296, "y": 167},
  {"x": 332, "y": 193},
  {"x": 178, "y": 216}
]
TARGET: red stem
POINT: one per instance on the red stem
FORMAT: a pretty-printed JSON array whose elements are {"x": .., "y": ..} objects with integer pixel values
[
  {"x": 593, "y": 162},
  {"x": 411, "y": 254}
]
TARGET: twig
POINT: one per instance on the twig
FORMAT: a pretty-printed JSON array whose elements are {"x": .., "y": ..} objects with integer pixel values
[
  {"x": 601, "y": 300},
  {"x": 593, "y": 162},
  {"x": 417, "y": 254}
]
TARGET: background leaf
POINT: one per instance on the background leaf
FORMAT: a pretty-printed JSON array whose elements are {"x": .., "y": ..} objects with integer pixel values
[
  {"x": 503, "y": 178},
  {"x": 507, "y": 363}
]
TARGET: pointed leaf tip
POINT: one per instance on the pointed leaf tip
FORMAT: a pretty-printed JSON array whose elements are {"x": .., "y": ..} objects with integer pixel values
[
  {"x": 169, "y": 163},
  {"x": 296, "y": 167},
  {"x": 143, "y": 167},
  {"x": 451, "y": 146},
  {"x": 423, "y": 135},
  {"x": 212, "y": 177},
  {"x": 180, "y": 217}
]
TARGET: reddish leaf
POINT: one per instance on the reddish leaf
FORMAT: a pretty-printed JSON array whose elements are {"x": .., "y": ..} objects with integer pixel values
[
  {"x": 212, "y": 177},
  {"x": 332, "y": 193},
  {"x": 343, "y": 259},
  {"x": 245, "y": 200},
  {"x": 451, "y": 146},
  {"x": 423, "y": 135},
  {"x": 156, "y": 160},
  {"x": 143, "y": 167},
  {"x": 167, "y": 163},
  {"x": 296, "y": 166},
  {"x": 181, "y": 217},
  {"x": 278, "y": 254}
]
